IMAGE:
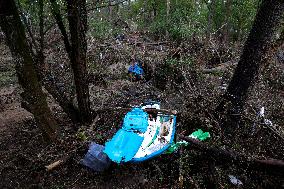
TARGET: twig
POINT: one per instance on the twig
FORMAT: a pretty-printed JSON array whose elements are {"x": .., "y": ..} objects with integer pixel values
[
  {"x": 107, "y": 5},
  {"x": 53, "y": 165}
]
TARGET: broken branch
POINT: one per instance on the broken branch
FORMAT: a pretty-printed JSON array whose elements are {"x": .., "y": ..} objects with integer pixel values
[{"x": 223, "y": 156}]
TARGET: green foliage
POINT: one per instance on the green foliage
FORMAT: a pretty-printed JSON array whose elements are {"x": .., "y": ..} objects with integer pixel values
[
  {"x": 81, "y": 135},
  {"x": 188, "y": 18},
  {"x": 7, "y": 78},
  {"x": 103, "y": 29},
  {"x": 243, "y": 13}
]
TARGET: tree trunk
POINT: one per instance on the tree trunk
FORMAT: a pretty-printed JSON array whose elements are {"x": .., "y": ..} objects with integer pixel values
[
  {"x": 211, "y": 13},
  {"x": 65, "y": 103},
  {"x": 33, "y": 95},
  {"x": 109, "y": 10},
  {"x": 228, "y": 6},
  {"x": 254, "y": 56},
  {"x": 41, "y": 31},
  {"x": 77, "y": 17},
  {"x": 56, "y": 13}
]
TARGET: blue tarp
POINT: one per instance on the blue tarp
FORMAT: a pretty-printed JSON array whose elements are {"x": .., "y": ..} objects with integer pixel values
[
  {"x": 123, "y": 146},
  {"x": 95, "y": 158}
]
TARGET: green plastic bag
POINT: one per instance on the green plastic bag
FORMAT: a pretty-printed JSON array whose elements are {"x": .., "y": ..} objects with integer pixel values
[{"x": 199, "y": 134}]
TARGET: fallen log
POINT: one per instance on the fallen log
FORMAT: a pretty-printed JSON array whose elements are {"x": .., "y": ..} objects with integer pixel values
[
  {"x": 221, "y": 67},
  {"x": 148, "y": 44},
  {"x": 228, "y": 157}
]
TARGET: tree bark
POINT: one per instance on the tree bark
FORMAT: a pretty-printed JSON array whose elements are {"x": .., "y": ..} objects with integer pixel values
[
  {"x": 56, "y": 14},
  {"x": 211, "y": 13},
  {"x": 228, "y": 6},
  {"x": 33, "y": 95},
  {"x": 254, "y": 56},
  {"x": 77, "y": 17}
]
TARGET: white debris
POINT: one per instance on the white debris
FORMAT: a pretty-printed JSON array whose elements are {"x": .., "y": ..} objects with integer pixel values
[
  {"x": 234, "y": 180},
  {"x": 268, "y": 122},
  {"x": 261, "y": 112}
]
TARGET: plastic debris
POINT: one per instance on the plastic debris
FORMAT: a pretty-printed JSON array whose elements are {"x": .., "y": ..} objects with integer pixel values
[
  {"x": 96, "y": 159},
  {"x": 144, "y": 134},
  {"x": 199, "y": 134},
  {"x": 261, "y": 112},
  {"x": 234, "y": 180}
]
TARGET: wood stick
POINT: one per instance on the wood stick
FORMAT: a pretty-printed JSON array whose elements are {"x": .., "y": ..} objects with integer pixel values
[
  {"x": 53, "y": 165},
  {"x": 274, "y": 166}
]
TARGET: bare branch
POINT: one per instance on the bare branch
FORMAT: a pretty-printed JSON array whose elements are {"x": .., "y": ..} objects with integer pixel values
[{"x": 108, "y": 5}]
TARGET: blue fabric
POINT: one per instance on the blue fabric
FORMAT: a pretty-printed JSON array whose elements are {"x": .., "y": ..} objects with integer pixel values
[
  {"x": 95, "y": 159},
  {"x": 123, "y": 146},
  {"x": 136, "y": 69}
]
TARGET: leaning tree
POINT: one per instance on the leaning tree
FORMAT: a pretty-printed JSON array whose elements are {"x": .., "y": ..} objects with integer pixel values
[
  {"x": 268, "y": 21},
  {"x": 33, "y": 98}
]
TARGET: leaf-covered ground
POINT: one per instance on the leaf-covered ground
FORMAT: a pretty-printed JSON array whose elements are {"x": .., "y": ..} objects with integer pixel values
[{"x": 177, "y": 78}]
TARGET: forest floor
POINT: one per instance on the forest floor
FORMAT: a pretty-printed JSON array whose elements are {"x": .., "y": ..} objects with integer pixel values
[{"x": 186, "y": 88}]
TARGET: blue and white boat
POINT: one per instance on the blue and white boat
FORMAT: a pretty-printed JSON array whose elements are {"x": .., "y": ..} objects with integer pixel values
[{"x": 147, "y": 131}]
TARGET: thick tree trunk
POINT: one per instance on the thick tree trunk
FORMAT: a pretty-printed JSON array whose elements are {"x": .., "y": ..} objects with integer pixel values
[
  {"x": 41, "y": 31},
  {"x": 77, "y": 17},
  {"x": 253, "y": 59},
  {"x": 109, "y": 10},
  {"x": 33, "y": 96}
]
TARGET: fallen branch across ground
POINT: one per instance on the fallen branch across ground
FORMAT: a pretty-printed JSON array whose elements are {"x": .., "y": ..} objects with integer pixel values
[
  {"x": 221, "y": 67},
  {"x": 229, "y": 157}
]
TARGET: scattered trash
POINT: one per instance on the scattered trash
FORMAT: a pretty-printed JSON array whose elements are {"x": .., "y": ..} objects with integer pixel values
[
  {"x": 261, "y": 112},
  {"x": 120, "y": 37},
  {"x": 234, "y": 180},
  {"x": 260, "y": 118},
  {"x": 199, "y": 134},
  {"x": 147, "y": 131},
  {"x": 95, "y": 158}
]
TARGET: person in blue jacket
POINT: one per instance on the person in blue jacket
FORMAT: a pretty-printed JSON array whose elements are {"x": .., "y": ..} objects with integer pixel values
[{"x": 136, "y": 71}]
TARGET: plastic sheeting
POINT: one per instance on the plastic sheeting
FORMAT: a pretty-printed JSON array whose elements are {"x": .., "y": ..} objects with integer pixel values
[
  {"x": 95, "y": 158},
  {"x": 126, "y": 142},
  {"x": 123, "y": 146}
]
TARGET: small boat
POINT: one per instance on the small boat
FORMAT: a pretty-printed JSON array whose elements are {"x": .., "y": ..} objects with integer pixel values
[{"x": 147, "y": 131}]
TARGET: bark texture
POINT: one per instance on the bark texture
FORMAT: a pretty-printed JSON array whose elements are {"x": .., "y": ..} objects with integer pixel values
[
  {"x": 254, "y": 56},
  {"x": 77, "y": 17},
  {"x": 33, "y": 96}
]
